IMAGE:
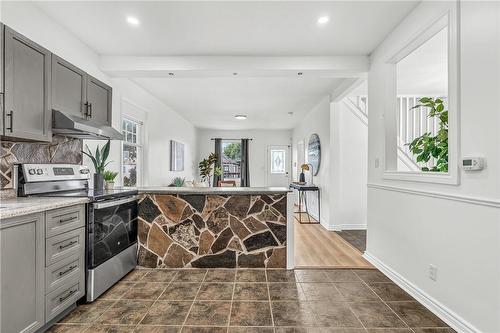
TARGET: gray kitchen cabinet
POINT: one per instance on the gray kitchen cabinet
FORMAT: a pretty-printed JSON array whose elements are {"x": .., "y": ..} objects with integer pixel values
[
  {"x": 69, "y": 88},
  {"x": 1, "y": 77},
  {"x": 99, "y": 97},
  {"x": 22, "y": 273},
  {"x": 27, "y": 112}
]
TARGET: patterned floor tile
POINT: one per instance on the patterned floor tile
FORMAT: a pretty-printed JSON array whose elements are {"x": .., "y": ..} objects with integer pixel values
[
  {"x": 250, "y": 275},
  {"x": 356, "y": 292},
  {"x": 342, "y": 275},
  {"x": 88, "y": 313},
  {"x": 144, "y": 291},
  {"x": 67, "y": 328},
  {"x": 311, "y": 276},
  {"x": 180, "y": 291},
  {"x": 283, "y": 291},
  {"x": 321, "y": 292},
  {"x": 281, "y": 276},
  {"x": 205, "y": 313},
  {"x": 334, "y": 314},
  {"x": 371, "y": 275},
  {"x": 224, "y": 275},
  {"x": 189, "y": 275},
  {"x": 389, "y": 291},
  {"x": 251, "y": 291},
  {"x": 215, "y": 292},
  {"x": 157, "y": 329},
  {"x": 159, "y": 275},
  {"x": 416, "y": 315},
  {"x": 250, "y": 314},
  {"x": 125, "y": 312},
  {"x": 376, "y": 315},
  {"x": 293, "y": 313},
  {"x": 167, "y": 313}
]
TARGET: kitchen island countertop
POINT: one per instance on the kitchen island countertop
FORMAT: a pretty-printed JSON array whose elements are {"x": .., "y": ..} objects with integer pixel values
[{"x": 28, "y": 205}]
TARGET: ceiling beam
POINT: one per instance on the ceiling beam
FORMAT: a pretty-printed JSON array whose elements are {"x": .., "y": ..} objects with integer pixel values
[{"x": 220, "y": 66}]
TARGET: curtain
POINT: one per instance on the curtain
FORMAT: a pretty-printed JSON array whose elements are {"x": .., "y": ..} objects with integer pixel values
[
  {"x": 218, "y": 164},
  {"x": 245, "y": 169}
]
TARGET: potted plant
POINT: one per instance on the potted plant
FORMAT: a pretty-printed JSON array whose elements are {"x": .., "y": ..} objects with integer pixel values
[
  {"x": 109, "y": 177},
  {"x": 178, "y": 182},
  {"x": 99, "y": 160},
  {"x": 206, "y": 167}
]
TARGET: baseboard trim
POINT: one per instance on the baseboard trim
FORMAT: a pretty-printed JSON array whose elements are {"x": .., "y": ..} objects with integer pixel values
[
  {"x": 451, "y": 318},
  {"x": 350, "y": 226}
]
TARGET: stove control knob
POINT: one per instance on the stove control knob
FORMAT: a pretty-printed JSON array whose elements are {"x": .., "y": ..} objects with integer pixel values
[
  {"x": 31, "y": 171},
  {"x": 39, "y": 171}
]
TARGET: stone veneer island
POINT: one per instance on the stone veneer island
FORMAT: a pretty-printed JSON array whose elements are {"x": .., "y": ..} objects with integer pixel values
[{"x": 213, "y": 227}]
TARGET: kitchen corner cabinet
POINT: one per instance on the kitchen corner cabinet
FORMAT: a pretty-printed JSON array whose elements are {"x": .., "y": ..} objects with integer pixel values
[
  {"x": 26, "y": 113},
  {"x": 22, "y": 274},
  {"x": 77, "y": 93},
  {"x": 99, "y": 97}
]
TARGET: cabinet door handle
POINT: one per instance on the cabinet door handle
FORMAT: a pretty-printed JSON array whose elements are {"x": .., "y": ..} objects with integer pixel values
[
  {"x": 68, "y": 270},
  {"x": 90, "y": 109},
  {"x": 62, "y": 299},
  {"x": 67, "y": 220},
  {"x": 67, "y": 245},
  {"x": 86, "y": 113},
  {"x": 11, "y": 115}
]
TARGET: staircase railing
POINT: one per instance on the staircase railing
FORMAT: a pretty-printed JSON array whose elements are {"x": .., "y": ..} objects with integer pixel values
[{"x": 411, "y": 124}]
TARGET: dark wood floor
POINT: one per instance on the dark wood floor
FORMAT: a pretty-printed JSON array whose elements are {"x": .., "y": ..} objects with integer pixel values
[
  {"x": 246, "y": 301},
  {"x": 356, "y": 238}
]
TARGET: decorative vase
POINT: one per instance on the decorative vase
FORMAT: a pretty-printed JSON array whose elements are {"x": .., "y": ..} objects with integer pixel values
[
  {"x": 109, "y": 185},
  {"x": 302, "y": 177},
  {"x": 98, "y": 181}
]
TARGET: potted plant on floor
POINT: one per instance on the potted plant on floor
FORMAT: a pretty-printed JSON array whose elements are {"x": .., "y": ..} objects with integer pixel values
[
  {"x": 109, "y": 178},
  {"x": 99, "y": 159}
]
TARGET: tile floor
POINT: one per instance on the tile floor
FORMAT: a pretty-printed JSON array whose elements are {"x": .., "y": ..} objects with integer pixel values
[
  {"x": 356, "y": 238},
  {"x": 246, "y": 301}
]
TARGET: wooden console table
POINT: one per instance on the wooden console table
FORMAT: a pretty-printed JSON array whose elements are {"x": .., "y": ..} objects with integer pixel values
[{"x": 302, "y": 189}]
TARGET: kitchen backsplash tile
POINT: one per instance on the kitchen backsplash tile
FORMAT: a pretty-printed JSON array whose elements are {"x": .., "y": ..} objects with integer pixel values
[{"x": 60, "y": 150}]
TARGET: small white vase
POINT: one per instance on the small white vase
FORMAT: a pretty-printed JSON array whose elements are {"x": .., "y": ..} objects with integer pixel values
[{"x": 109, "y": 185}]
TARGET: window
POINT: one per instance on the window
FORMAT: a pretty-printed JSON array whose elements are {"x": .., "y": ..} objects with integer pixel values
[
  {"x": 421, "y": 129},
  {"x": 231, "y": 160},
  {"x": 131, "y": 152},
  {"x": 277, "y": 161}
]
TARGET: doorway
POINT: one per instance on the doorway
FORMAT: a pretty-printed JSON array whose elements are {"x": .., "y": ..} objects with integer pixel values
[{"x": 278, "y": 166}]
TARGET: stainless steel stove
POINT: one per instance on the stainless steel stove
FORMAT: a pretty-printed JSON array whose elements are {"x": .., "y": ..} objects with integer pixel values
[{"x": 111, "y": 228}]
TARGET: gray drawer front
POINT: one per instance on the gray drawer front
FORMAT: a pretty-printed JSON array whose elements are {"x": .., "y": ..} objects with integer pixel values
[
  {"x": 63, "y": 271},
  {"x": 62, "y": 246},
  {"x": 63, "y": 297},
  {"x": 64, "y": 219}
]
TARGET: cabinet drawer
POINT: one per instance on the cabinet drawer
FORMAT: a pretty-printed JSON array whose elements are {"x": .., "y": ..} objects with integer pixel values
[
  {"x": 63, "y": 271},
  {"x": 64, "y": 245},
  {"x": 63, "y": 297},
  {"x": 64, "y": 219}
]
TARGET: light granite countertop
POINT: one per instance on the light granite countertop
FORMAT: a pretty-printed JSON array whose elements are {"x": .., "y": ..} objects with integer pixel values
[
  {"x": 22, "y": 206},
  {"x": 214, "y": 190}
]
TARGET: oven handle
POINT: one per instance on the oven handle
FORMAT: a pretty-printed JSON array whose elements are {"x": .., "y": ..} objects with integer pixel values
[{"x": 106, "y": 204}]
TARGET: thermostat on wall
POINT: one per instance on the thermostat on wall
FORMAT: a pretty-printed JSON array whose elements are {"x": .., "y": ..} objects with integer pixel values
[{"x": 472, "y": 163}]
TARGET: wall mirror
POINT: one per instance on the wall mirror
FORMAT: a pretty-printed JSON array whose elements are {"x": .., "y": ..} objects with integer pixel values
[{"x": 314, "y": 153}]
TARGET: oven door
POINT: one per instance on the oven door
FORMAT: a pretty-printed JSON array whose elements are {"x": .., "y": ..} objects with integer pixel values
[{"x": 112, "y": 227}]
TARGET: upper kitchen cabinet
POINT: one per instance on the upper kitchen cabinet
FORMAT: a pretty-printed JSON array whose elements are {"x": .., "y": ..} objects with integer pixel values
[
  {"x": 99, "y": 97},
  {"x": 69, "y": 88},
  {"x": 27, "y": 113}
]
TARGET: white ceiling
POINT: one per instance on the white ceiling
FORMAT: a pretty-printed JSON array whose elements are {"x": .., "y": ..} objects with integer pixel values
[
  {"x": 229, "y": 28},
  {"x": 233, "y": 28},
  {"x": 213, "y": 102}
]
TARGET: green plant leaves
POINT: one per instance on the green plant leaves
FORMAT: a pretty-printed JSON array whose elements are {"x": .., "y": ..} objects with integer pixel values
[
  {"x": 99, "y": 159},
  {"x": 427, "y": 146}
]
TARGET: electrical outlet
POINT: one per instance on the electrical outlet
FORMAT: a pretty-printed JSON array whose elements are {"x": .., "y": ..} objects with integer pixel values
[{"x": 433, "y": 272}]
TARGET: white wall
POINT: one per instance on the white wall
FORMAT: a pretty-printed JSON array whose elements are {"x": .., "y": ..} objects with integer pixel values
[
  {"x": 353, "y": 159},
  {"x": 161, "y": 123},
  {"x": 261, "y": 139},
  {"x": 455, "y": 227},
  {"x": 317, "y": 121}
]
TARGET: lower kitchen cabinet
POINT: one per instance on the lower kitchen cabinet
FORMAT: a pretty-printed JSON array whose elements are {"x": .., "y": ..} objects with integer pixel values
[
  {"x": 41, "y": 274},
  {"x": 22, "y": 273}
]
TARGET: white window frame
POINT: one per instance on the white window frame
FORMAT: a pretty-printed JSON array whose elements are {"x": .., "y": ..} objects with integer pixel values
[
  {"x": 448, "y": 18},
  {"x": 271, "y": 162},
  {"x": 138, "y": 144}
]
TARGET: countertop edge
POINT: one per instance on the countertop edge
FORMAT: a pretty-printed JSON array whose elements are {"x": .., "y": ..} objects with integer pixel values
[
  {"x": 37, "y": 206},
  {"x": 213, "y": 190}
]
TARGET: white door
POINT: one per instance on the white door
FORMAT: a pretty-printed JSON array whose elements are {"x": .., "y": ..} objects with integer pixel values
[{"x": 278, "y": 166}]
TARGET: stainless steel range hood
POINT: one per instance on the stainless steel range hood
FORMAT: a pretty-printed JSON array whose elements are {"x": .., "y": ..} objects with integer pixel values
[{"x": 76, "y": 127}]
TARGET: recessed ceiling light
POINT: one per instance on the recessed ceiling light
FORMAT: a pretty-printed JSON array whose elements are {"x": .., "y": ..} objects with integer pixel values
[
  {"x": 290, "y": 113},
  {"x": 299, "y": 73},
  {"x": 171, "y": 74},
  {"x": 240, "y": 117},
  {"x": 323, "y": 20},
  {"x": 133, "y": 20},
  {"x": 235, "y": 73}
]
